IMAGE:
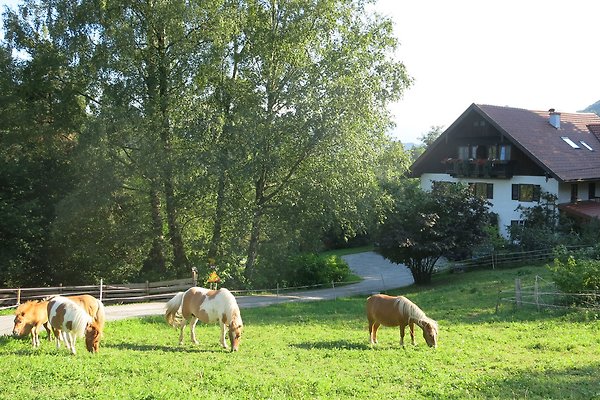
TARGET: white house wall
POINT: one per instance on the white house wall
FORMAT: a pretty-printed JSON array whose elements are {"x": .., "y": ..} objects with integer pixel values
[{"x": 502, "y": 203}]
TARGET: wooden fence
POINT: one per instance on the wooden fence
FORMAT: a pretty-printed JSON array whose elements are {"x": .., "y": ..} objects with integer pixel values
[{"x": 107, "y": 293}]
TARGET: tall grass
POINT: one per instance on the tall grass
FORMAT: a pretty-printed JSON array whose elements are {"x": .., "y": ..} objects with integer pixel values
[{"x": 321, "y": 350}]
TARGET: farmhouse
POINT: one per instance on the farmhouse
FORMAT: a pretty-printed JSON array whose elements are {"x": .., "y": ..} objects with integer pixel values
[{"x": 511, "y": 155}]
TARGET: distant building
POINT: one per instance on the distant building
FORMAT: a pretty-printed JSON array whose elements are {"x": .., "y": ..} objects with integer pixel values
[{"x": 510, "y": 155}]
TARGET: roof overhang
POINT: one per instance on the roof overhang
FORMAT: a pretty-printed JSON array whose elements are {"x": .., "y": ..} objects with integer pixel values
[{"x": 582, "y": 209}]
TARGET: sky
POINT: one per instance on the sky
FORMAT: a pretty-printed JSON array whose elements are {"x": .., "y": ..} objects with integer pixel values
[{"x": 529, "y": 54}]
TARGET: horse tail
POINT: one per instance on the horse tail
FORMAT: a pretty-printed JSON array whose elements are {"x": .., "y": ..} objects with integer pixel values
[
  {"x": 173, "y": 310},
  {"x": 100, "y": 316}
]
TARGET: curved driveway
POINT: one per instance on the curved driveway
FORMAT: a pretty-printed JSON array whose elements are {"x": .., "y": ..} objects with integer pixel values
[{"x": 378, "y": 274}]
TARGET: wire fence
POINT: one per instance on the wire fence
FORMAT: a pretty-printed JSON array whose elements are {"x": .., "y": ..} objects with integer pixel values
[
  {"x": 499, "y": 259},
  {"x": 544, "y": 294}
]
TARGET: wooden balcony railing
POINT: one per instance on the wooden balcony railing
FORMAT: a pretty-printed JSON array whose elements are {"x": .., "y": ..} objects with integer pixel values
[{"x": 480, "y": 168}]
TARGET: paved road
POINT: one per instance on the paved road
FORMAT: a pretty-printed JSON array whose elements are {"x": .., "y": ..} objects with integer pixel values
[{"x": 379, "y": 275}]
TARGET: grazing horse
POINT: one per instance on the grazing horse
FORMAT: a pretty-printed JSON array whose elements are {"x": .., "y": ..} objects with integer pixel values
[
  {"x": 399, "y": 311},
  {"x": 32, "y": 315},
  {"x": 208, "y": 306},
  {"x": 29, "y": 318},
  {"x": 69, "y": 320}
]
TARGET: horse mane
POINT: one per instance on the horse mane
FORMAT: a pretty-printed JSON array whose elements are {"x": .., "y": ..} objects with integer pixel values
[
  {"x": 81, "y": 319},
  {"x": 414, "y": 313}
]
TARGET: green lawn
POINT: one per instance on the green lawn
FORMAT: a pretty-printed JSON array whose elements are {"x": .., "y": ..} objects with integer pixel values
[{"x": 321, "y": 350}]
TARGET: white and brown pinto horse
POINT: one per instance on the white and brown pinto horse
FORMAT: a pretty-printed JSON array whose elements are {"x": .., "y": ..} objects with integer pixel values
[
  {"x": 208, "y": 306},
  {"x": 31, "y": 316},
  {"x": 69, "y": 321},
  {"x": 399, "y": 311}
]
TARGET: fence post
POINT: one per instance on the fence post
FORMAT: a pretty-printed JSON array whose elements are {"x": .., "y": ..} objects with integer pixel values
[
  {"x": 18, "y": 296},
  {"x": 333, "y": 288},
  {"x": 147, "y": 288},
  {"x": 518, "y": 291},
  {"x": 277, "y": 289},
  {"x": 101, "y": 285},
  {"x": 536, "y": 293},
  {"x": 195, "y": 276}
]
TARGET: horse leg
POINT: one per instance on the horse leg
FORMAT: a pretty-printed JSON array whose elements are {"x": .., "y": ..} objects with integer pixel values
[
  {"x": 181, "y": 328},
  {"x": 373, "y": 332},
  {"x": 411, "y": 326},
  {"x": 48, "y": 330},
  {"x": 223, "y": 342},
  {"x": 402, "y": 334},
  {"x": 57, "y": 337},
  {"x": 70, "y": 337},
  {"x": 35, "y": 340},
  {"x": 193, "y": 329}
]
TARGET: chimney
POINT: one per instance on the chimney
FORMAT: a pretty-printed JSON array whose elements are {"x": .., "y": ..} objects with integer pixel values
[{"x": 554, "y": 118}]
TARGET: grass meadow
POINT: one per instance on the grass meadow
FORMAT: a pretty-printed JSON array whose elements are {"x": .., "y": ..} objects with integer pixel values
[{"x": 320, "y": 350}]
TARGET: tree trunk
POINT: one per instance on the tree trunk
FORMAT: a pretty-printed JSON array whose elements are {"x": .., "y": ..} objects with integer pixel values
[
  {"x": 155, "y": 261},
  {"x": 256, "y": 228},
  {"x": 253, "y": 245},
  {"x": 215, "y": 243},
  {"x": 179, "y": 256}
]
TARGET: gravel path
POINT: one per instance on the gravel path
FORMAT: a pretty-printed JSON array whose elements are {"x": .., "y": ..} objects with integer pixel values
[{"x": 379, "y": 275}]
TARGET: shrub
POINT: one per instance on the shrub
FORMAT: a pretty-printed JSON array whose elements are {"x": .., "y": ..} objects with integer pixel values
[
  {"x": 577, "y": 271},
  {"x": 314, "y": 269}
]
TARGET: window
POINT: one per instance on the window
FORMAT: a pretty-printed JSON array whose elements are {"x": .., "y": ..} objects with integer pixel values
[
  {"x": 525, "y": 192},
  {"x": 570, "y": 142},
  {"x": 574, "y": 193},
  {"x": 592, "y": 190},
  {"x": 504, "y": 152},
  {"x": 482, "y": 189},
  {"x": 516, "y": 222},
  {"x": 441, "y": 184},
  {"x": 587, "y": 146},
  {"x": 463, "y": 152}
]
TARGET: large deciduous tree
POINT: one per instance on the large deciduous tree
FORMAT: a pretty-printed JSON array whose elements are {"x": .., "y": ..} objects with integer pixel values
[
  {"x": 231, "y": 130},
  {"x": 420, "y": 227}
]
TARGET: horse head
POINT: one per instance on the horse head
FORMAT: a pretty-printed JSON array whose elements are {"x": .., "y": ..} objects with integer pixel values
[
  {"x": 235, "y": 334},
  {"x": 21, "y": 328},
  {"x": 430, "y": 332},
  {"x": 92, "y": 337},
  {"x": 22, "y": 321}
]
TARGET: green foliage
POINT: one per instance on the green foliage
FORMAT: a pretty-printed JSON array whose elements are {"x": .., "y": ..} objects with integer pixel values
[
  {"x": 321, "y": 350},
  {"x": 314, "y": 269},
  {"x": 421, "y": 227},
  {"x": 141, "y": 138},
  {"x": 577, "y": 271}
]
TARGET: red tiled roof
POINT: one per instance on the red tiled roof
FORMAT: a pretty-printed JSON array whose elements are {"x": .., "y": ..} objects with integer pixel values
[
  {"x": 583, "y": 209},
  {"x": 532, "y": 131}
]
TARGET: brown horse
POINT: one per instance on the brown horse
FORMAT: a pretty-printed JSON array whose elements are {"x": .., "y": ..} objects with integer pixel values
[
  {"x": 399, "y": 311},
  {"x": 29, "y": 318},
  {"x": 32, "y": 315}
]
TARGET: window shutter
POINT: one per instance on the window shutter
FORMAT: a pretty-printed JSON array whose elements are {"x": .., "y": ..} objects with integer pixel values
[
  {"x": 537, "y": 190},
  {"x": 515, "y": 192},
  {"x": 490, "y": 191}
]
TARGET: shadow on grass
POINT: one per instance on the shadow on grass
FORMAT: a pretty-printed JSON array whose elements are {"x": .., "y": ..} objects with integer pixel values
[
  {"x": 568, "y": 383},
  {"x": 331, "y": 345},
  {"x": 166, "y": 349}
]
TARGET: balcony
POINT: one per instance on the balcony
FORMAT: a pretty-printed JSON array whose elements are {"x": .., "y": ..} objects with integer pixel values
[{"x": 479, "y": 168}]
